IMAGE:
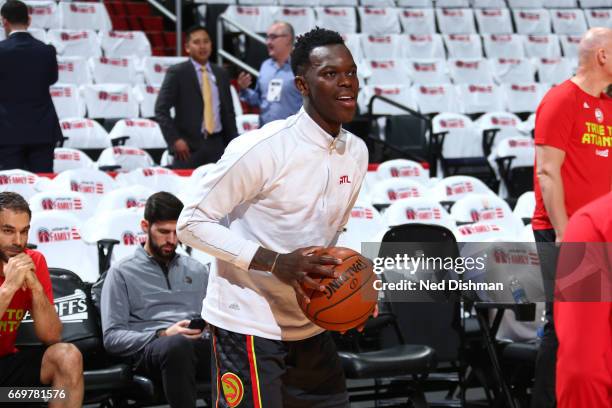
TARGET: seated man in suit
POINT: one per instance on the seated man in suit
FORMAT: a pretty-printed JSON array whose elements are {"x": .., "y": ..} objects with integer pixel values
[
  {"x": 25, "y": 286},
  {"x": 29, "y": 127},
  {"x": 148, "y": 301},
  {"x": 199, "y": 92}
]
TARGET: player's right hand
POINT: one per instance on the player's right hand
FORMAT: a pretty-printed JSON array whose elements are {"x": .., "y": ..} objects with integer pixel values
[
  {"x": 181, "y": 150},
  {"x": 16, "y": 269},
  {"x": 295, "y": 267},
  {"x": 244, "y": 80},
  {"x": 181, "y": 328}
]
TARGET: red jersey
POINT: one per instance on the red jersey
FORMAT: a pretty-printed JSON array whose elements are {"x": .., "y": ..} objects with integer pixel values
[
  {"x": 571, "y": 120},
  {"x": 584, "y": 329},
  {"x": 22, "y": 303}
]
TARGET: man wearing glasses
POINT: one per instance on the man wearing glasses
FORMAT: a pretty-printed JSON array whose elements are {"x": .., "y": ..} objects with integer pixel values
[{"x": 274, "y": 92}]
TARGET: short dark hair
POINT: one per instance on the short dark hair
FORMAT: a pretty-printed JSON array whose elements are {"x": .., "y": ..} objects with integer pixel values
[
  {"x": 317, "y": 37},
  {"x": 162, "y": 206},
  {"x": 15, "y": 12},
  {"x": 192, "y": 30},
  {"x": 14, "y": 202}
]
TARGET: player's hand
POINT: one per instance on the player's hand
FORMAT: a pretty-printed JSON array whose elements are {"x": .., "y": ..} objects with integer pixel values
[
  {"x": 244, "y": 80},
  {"x": 15, "y": 271},
  {"x": 294, "y": 269},
  {"x": 181, "y": 328},
  {"x": 31, "y": 281},
  {"x": 362, "y": 326},
  {"x": 181, "y": 150}
]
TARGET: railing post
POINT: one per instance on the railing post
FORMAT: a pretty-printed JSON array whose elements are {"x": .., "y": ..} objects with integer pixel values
[{"x": 179, "y": 27}]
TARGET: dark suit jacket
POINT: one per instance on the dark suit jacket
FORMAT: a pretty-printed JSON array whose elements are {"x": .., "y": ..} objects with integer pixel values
[
  {"x": 27, "y": 68},
  {"x": 181, "y": 91}
]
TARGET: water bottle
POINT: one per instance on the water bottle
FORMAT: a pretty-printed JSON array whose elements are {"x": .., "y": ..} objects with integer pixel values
[{"x": 518, "y": 292}]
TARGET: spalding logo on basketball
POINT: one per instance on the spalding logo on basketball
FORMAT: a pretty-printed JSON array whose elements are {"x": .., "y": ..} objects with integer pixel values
[
  {"x": 232, "y": 389},
  {"x": 348, "y": 300}
]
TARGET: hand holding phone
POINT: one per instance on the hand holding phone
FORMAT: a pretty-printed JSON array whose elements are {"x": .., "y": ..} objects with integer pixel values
[{"x": 197, "y": 323}]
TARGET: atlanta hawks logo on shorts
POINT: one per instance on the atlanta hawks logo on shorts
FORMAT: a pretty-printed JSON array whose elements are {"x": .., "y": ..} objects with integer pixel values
[{"x": 232, "y": 389}]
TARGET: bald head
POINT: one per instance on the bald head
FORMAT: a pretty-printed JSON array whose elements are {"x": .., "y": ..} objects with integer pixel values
[{"x": 594, "y": 43}]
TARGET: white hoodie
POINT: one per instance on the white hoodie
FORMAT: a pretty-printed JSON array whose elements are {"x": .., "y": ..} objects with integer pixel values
[{"x": 285, "y": 186}]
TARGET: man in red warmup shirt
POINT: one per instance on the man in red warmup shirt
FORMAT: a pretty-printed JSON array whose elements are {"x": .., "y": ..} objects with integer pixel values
[
  {"x": 25, "y": 286},
  {"x": 584, "y": 327},
  {"x": 573, "y": 167}
]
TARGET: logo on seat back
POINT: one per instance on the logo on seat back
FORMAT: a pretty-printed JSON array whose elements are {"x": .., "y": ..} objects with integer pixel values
[{"x": 70, "y": 309}]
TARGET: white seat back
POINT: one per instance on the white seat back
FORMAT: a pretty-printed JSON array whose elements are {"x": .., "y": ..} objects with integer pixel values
[
  {"x": 75, "y": 43},
  {"x": 364, "y": 224},
  {"x": 43, "y": 14},
  {"x": 479, "y": 98},
  {"x": 494, "y": 21},
  {"x": 127, "y": 158},
  {"x": 388, "y": 72},
  {"x": 255, "y": 18},
  {"x": 509, "y": 70},
  {"x": 390, "y": 190},
  {"x": 134, "y": 196},
  {"x": 463, "y": 139},
  {"x": 525, "y": 205},
  {"x": 155, "y": 68},
  {"x": 463, "y": 45},
  {"x": 84, "y": 133},
  {"x": 428, "y": 72},
  {"x": 302, "y": 19},
  {"x": 73, "y": 70},
  {"x": 81, "y": 16},
  {"x": 403, "y": 168},
  {"x": 532, "y": 21},
  {"x": 108, "y": 101},
  {"x": 454, "y": 188},
  {"x": 422, "y": 46},
  {"x": 65, "y": 158},
  {"x": 334, "y": 17},
  {"x": 599, "y": 17},
  {"x": 381, "y": 47},
  {"x": 524, "y": 97},
  {"x": 125, "y": 44},
  {"x": 92, "y": 183},
  {"x": 569, "y": 43},
  {"x": 246, "y": 123},
  {"x": 67, "y": 101},
  {"x": 470, "y": 71},
  {"x": 486, "y": 209},
  {"x": 19, "y": 181},
  {"x": 418, "y": 210},
  {"x": 568, "y": 21},
  {"x": 72, "y": 202},
  {"x": 418, "y": 20},
  {"x": 399, "y": 93},
  {"x": 456, "y": 20},
  {"x": 113, "y": 70},
  {"x": 503, "y": 45},
  {"x": 142, "y": 133},
  {"x": 379, "y": 20},
  {"x": 542, "y": 46},
  {"x": 554, "y": 70},
  {"x": 156, "y": 178},
  {"x": 435, "y": 98},
  {"x": 146, "y": 96}
]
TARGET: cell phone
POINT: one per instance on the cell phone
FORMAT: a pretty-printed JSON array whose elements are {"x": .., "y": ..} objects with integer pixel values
[{"x": 197, "y": 323}]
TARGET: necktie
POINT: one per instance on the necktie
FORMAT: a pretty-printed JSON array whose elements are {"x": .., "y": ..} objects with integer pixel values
[{"x": 209, "y": 117}]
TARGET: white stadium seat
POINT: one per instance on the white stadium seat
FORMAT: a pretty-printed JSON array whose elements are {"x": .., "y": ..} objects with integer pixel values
[
  {"x": 453, "y": 188},
  {"x": 67, "y": 101},
  {"x": 542, "y": 46},
  {"x": 463, "y": 45},
  {"x": 353, "y": 43},
  {"x": 599, "y": 17},
  {"x": 93, "y": 183},
  {"x": 381, "y": 46},
  {"x": 334, "y": 17},
  {"x": 484, "y": 232},
  {"x": 122, "y": 225},
  {"x": 84, "y": 15},
  {"x": 39, "y": 33},
  {"x": 75, "y": 43},
  {"x": 399, "y": 93},
  {"x": 532, "y": 21},
  {"x": 453, "y": 3},
  {"x": 302, "y": 19},
  {"x": 81, "y": 133},
  {"x": 125, "y": 44},
  {"x": 569, "y": 44},
  {"x": 525, "y": 205},
  {"x": 43, "y": 14},
  {"x": 555, "y": 70},
  {"x": 69, "y": 201},
  {"x": 506, "y": 122},
  {"x": 470, "y": 71},
  {"x": 561, "y": 3},
  {"x": 387, "y": 191},
  {"x": 525, "y": 4},
  {"x": 568, "y": 21},
  {"x": 20, "y": 181},
  {"x": 142, "y": 133},
  {"x": 435, "y": 98},
  {"x": 125, "y": 197},
  {"x": 127, "y": 158},
  {"x": 422, "y": 210},
  {"x": 585, "y": 4},
  {"x": 255, "y": 18},
  {"x": 523, "y": 97},
  {"x": 424, "y": 46},
  {"x": 428, "y": 72},
  {"x": 110, "y": 101},
  {"x": 488, "y": 3},
  {"x": 418, "y": 21},
  {"x": 113, "y": 70},
  {"x": 155, "y": 68},
  {"x": 478, "y": 98},
  {"x": 65, "y": 158},
  {"x": 73, "y": 70},
  {"x": 521, "y": 150},
  {"x": 388, "y": 72},
  {"x": 456, "y": 20},
  {"x": 487, "y": 209},
  {"x": 503, "y": 45},
  {"x": 494, "y": 21},
  {"x": 379, "y": 20},
  {"x": 364, "y": 224},
  {"x": 346, "y": 3},
  {"x": 403, "y": 168},
  {"x": 156, "y": 178},
  {"x": 146, "y": 95},
  {"x": 57, "y": 233},
  {"x": 462, "y": 141},
  {"x": 508, "y": 70},
  {"x": 415, "y": 3}
]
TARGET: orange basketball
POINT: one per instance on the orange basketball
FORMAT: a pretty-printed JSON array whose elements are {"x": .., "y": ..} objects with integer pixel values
[{"x": 348, "y": 300}]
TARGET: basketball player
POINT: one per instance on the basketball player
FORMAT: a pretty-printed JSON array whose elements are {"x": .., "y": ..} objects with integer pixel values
[
  {"x": 285, "y": 189},
  {"x": 573, "y": 167}
]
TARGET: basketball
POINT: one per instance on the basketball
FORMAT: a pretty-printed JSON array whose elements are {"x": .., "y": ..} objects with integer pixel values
[{"x": 348, "y": 300}]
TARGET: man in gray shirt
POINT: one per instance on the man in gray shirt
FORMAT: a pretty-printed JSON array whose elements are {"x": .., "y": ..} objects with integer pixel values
[{"x": 148, "y": 301}]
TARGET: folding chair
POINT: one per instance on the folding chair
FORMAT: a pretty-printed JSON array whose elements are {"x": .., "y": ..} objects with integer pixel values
[
  {"x": 515, "y": 157},
  {"x": 470, "y": 71},
  {"x": 82, "y": 16},
  {"x": 141, "y": 133},
  {"x": 569, "y": 44},
  {"x": 510, "y": 70},
  {"x": 364, "y": 225},
  {"x": 332, "y": 17},
  {"x": 435, "y": 98},
  {"x": 451, "y": 189},
  {"x": 375, "y": 20},
  {"x": 75, "y": 43},
  {"x": 43, "y": 14},
  {"x": 156, "y": 178},
  {"x": 532, "y": 21},
  {"x": 428, "y": 72},
  {"x": 113, "y": 70},
  {"x": 93, "y": 183},
  {"x": 67, "y": 101},
  {"x": 81, "y": 133},
  {"x": 456, "y": 20},
  {"x": 422, "y": 46},
  {"x": 463, "y": 46},
  {"x": 421, "y": 210},
  {"x": 108, "y": 101},
  {"x": 146, "y": 96},
  {"x": 255, "y": 18},
  {"x": 19, "y": 181},
  {"x": 503, "y": 45},
  {"x": 73, "y": 70},
  {"x": 381, "y": 47},
  {"x": 542, "y": 46},
  {"x": 494, "y": 21},
  {"x": 486, "y": 208},
  {"x": 125, "y": 44},
  {"x": 386, "y": 192},
  {"x": 554, "y": 70},
  {"x": 568, "y": 21},
  {"x": 403, "y": 168},
  {"x": 525, "y": 206},
  {"x": 124, "y": 158}
]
